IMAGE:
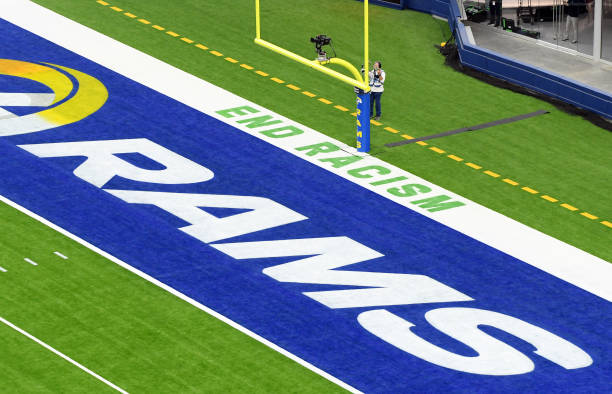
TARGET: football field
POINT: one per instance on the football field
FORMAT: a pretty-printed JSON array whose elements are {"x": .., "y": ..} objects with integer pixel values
[
  {"x": 175, "y": 220},
  {"x": 549, "y": 172}
]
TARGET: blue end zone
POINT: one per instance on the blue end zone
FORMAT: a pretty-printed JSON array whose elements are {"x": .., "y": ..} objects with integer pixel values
[{"x": 147, "y": 238}]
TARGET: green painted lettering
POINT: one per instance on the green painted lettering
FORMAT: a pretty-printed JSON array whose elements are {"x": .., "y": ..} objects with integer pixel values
[
  {"x": 259, "y": 121},
  {"x": 390, "y": 180},
  {"x": 323, "y": 147},
  {"x": 338, "y": 162},
  {"x": 434, "y": 204},
  {"x": 283, "y": 132},
  {"x": 362, "y": 172},
  {"x": 409, "y": 190},
  {"x": 241, "y": 111}
]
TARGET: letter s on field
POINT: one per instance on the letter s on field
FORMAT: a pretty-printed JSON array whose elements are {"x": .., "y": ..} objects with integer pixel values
[{"x": 494, "y": 356}]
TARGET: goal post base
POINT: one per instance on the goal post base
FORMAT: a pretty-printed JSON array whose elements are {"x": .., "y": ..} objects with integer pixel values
[{"x": 363, "y": 121}]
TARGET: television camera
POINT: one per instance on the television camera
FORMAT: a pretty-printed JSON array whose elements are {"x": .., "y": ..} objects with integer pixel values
[{"x": 320, "y": 41}]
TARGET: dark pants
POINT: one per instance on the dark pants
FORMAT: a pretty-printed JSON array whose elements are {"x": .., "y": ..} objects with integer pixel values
[
  {"x": 496, "y": 12},
  {"x": 375, "y": 96}
]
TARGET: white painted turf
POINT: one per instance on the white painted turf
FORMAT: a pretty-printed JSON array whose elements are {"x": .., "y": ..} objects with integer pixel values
[{"x": 507, "y": 235}]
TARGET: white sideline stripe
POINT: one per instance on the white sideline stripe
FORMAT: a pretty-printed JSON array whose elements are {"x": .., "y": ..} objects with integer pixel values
[
  {"x": 27, "y": 260},
  {"x": 62, "y": 355},
  {"x": 2, "y": 269},
  {"x": 542, "y": 251},
  {"x": 60, "y": 255},
  {"x": 180, "y": 295}
]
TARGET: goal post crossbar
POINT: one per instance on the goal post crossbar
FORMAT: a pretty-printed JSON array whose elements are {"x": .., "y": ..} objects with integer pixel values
[{"x": 357, "y": 79}]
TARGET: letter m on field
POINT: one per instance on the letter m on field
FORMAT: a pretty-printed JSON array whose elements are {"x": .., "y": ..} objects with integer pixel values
[{"x": 329, "y": 254}]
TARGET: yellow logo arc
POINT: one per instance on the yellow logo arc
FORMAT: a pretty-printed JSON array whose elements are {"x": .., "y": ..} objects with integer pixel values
[{"x": 65, "y": 108}]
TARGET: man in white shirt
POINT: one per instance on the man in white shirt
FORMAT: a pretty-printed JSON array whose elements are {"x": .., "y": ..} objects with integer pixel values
[{"x": 377, "y": 87}]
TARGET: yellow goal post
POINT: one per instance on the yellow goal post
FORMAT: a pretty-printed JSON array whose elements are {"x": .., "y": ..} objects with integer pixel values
[{"x": 356, "y": 80}]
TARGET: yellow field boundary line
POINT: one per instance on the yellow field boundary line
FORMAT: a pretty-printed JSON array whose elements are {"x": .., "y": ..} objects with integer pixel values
[{"x": 491, "y": 174}]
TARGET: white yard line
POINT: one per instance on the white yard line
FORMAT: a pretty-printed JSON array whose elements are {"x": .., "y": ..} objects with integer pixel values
[
  {"x": 62, "y": 355},
  {"x": 27, "y": 260},
  {"x": 60, "y": 255},
  {"x": 3, "y": 270}
]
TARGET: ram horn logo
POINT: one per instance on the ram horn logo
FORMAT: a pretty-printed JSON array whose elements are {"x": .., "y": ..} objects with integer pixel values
[{"x": 69, "y": 102}]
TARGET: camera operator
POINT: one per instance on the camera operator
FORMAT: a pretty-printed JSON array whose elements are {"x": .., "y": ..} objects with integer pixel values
[{"x": 377, "y": 87}]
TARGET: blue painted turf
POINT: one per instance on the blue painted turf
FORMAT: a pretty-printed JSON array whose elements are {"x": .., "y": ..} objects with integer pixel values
[{"x": 147, "y": 238}]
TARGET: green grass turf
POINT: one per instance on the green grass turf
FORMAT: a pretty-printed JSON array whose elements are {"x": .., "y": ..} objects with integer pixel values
[
  {"x": 118, "y": 325},
  {"x": 29, "y": 367},
  {"x": 559, "y": 155}
]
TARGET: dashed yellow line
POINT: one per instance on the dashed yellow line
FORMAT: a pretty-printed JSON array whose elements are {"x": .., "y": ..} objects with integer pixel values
[
  {"x": 392, "y": 130},
  {"x": 344, "y": 109},
  {"x": 505, "y": 180},
  {"x": 530, "y": 190},
  {"x": 549, "y": 198},
  {"x": 589, "y": 216},
  {"x": 408, "y": 137}
]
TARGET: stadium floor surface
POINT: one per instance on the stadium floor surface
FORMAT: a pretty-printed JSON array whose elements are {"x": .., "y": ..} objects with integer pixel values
[
  {"x": 134, "y": 112},
  {"x": 547, "y": 166}
]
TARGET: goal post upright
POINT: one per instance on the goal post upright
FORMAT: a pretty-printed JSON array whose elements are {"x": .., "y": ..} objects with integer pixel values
[
  {"x": 363, "y": 97},
  {"x": 257, "y": 21},
  {"x": 366, "y": 41},
  {"x": 358, "y": 80}
]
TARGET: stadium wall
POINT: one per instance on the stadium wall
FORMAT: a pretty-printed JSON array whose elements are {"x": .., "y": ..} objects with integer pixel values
[{"x": 510, "y": 70}]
